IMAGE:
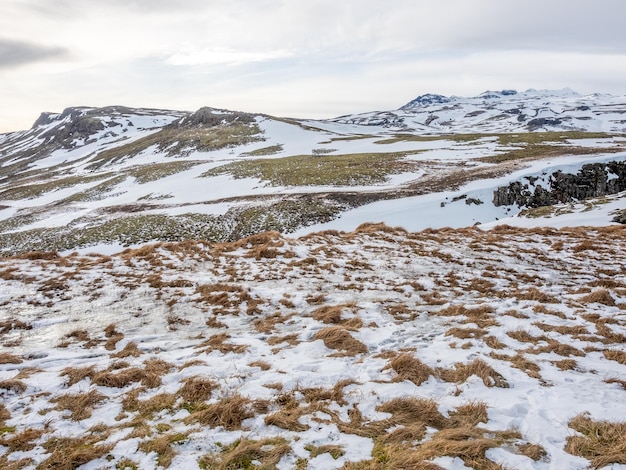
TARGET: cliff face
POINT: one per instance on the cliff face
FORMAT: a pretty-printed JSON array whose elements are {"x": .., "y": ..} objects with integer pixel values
[{"x": 592, "y": 180}]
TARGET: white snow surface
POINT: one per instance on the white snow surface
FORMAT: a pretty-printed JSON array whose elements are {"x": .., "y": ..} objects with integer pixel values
[{"x": 244, "y": 317}]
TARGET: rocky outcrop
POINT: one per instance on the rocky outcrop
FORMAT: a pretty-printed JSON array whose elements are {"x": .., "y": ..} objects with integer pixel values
[
  {"x": 592, "y": 180},
  {"x": 620, "y": 217},
  {"x": 212, "y": 117}
]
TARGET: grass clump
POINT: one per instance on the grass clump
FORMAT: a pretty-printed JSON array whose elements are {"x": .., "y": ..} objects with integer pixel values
[
  {"x": 247, "y": 454},
  {"x": 601, "y": 442},
  {"x": 337, "y": 337},
  {"x": 325, "y": 170}
]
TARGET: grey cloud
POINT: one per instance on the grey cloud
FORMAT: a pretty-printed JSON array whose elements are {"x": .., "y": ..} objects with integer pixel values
[{"x": 14, "y": 53}]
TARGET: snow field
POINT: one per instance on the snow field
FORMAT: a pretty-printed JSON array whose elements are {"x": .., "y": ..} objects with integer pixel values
[{"x": 457, "y": 348}]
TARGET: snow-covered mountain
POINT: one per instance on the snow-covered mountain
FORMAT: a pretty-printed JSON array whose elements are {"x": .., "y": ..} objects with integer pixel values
[
  {"x": 503, "y": 111},
  {"x": 117, "y": 176}
]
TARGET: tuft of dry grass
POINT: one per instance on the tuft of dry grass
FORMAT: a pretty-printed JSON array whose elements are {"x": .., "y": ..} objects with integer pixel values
[
  {"x": 229, "y": 412},
  {"x": 468, "y": 415},
  {"x": 334, "y": 451},
  {"x": 408, "y": 367},
  {"x": 130, "y": 349},
  {"x": 264, "y": 366},
  {"x": 218, "y": 342},
  {"x": 566, "y": 364},
  {"x": 197, "y": 389},
  {"x": 477, "y": 367},
  {"x": 247, "y": 453},
  {"x": 70, "y": 453},
  {"x": 601, "y": 296},
  {"x": 337, "y": 337},
  {"x": 601, "y": 442},
  {"x": 120, "y": 379},
  {"x": 23, "y": 441},
  {"x": 617, "y": 355},
  {"x": 8, "y": 358},
  {"x": 162, "y": 446},
  {"x": 80, "y": 405},
  {"x": 76, "y": 374},
  {"x": 13, "y": 385}
]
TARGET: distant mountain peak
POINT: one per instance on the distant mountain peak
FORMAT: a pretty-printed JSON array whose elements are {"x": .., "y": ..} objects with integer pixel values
[{"x": 427, "y": 100}]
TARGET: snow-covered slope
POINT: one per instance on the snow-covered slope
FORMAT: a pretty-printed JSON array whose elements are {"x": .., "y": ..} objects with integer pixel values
[
  {"x": 445, "y": 349},
  {"x": 90, "y": 177},
  {"x": 503, "y": 111}
]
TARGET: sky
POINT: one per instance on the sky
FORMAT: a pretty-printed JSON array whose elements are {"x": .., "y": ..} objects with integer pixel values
[{"x": 298, "y": 58}]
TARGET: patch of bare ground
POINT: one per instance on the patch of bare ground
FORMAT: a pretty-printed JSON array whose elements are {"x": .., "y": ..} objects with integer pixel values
[{"x": 601, "y": 442}]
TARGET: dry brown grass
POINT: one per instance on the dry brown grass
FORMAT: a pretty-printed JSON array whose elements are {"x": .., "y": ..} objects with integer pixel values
[
  {"x": 129, "y": 350},
  {"x": 290, "y": 339},
  {"x": 162, "y": 446},
  {"x": 466, "y": 333},
  {"x": 493, "y": 342},
  {"x": 76, "y": 374},
  {"x": 149, "y": 406},
  {"x": 330, "y": 314},
  {"x": 414, "y": 411},
  {"x": 563, "y": 329},
  {"x": 337, "y": 337},
  {"x": 334, "y": 451},
  {"x": 617, "y": 381},
  {"x": 408, "y": 367},
  {"x": 23, "y": 441},
  {"x": 477, "y": 367},
  {"x": 264, "y": 366},
  {"x": 566, "y": 364},
  {"x": 602, "y": 442},
  {"x": 469, "y": 414},
  {"x": 119, "y": 379},
  {"x": 556, "y": 347},
  {"x": 617, "y": 355},
  {"x": 197, "y": 389},
  {"x": 536, "y": 295},
  {"x": 601, "y": 296},
  {"x": 8, "y": 358},
  {"x": 13, "y": 385},
  {"x": 288, "y": 418},
  {"x": 218, "y": 342},
  {"x": 246, "y": 453},
  {"x": 71, "y": 453},
  {"x": 80, "y": 405},
  {"x": 228, "y": 413}
]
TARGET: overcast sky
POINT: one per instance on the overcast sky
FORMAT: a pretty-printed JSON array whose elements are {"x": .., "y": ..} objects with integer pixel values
[{"x": 298, "y": 58}]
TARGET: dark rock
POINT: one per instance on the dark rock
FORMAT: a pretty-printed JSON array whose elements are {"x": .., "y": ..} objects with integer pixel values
[
  {"x": 620, "y": 217},
  {"x": 538, "y": 123},
  {"x": 592, "y": 180},
  {"x": 214, "y": 117}
]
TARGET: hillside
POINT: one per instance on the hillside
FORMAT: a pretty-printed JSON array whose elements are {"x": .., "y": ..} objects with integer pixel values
[
  {"x": 105, "y": 178},
  {"x": 225, "y": 290},
  {"x": 378, "y": 348}
]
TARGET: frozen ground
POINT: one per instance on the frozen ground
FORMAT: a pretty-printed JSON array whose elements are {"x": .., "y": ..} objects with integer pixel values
[{"x": 440, "y": 349}]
